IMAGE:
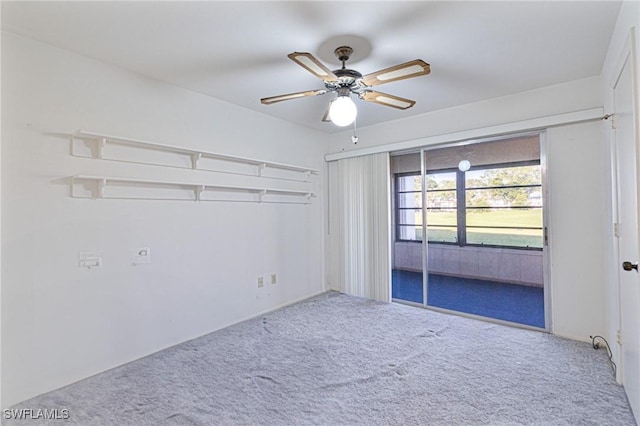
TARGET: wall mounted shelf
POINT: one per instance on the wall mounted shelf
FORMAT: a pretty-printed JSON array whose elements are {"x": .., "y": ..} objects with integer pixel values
[
  {"x": 196, "y": 156},
  {"x": 101, "y": 183}
]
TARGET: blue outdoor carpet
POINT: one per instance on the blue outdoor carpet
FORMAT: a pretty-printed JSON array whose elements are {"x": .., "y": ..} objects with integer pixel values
[{"x": 509, "y": 302}]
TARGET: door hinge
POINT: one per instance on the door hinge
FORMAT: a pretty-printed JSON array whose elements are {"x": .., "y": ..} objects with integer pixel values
[
  {"x": 619, "y": 337},
  {"x": 546, "y": 236},
  {"x": 616, "y": 230}
]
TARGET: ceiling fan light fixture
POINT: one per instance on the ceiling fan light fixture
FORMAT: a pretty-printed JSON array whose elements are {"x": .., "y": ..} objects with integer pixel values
[
  {"x": 342, "y": 111},
  {"x": 464, "y": 165}
]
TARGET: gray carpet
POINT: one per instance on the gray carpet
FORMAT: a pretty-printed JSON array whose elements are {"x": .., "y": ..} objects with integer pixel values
[{"x": 341, "y": 360}]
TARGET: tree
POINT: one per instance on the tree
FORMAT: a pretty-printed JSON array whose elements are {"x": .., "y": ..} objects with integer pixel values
[{"x": 505, "y": 179}]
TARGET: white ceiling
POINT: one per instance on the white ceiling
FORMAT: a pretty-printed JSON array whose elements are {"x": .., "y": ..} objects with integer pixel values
[{"x": 236, "y": 51}]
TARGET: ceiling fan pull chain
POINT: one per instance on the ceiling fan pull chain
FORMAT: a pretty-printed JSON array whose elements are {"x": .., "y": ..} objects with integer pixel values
[{"x": 354, "y": 138}]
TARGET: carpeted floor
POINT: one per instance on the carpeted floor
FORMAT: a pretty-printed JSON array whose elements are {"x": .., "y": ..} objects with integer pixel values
[
  {"x": 508, "y": 302},
  {"x": 341, "y": 360}
]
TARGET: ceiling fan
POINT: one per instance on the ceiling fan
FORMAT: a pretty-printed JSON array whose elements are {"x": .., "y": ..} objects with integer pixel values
[{"x": 344, "y": 81}]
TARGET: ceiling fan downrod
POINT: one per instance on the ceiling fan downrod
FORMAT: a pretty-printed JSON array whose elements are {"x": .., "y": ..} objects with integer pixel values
[
  {"x": 343, "y": 53},
  {"x": 346, "y": 77}
]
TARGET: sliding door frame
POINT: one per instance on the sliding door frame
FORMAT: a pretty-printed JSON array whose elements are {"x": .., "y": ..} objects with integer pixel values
[
  {"x": 546, "y": 246},
  {"x": 425, "y": 236},
  {"x": 546, "y": 273}
]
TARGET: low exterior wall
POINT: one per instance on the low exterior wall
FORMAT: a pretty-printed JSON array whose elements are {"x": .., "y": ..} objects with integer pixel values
[{"x": 497, "y": 264}]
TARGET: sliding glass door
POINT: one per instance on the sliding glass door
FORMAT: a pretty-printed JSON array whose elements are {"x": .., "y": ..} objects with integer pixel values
[{"x": 475, "y": 236}]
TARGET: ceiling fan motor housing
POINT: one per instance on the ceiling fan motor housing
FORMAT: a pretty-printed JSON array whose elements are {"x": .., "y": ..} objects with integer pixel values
[{"x": 346, "y": 77}]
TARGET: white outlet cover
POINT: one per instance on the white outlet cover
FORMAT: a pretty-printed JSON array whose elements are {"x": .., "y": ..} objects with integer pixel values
[{"x": 142, "y": 256}]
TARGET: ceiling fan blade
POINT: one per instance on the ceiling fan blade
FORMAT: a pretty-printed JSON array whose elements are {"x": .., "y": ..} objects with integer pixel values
[
  {"x": 280, "y": 98},
  {"x": 314, "y": 66},
  {"x": 399, "y": 72},
  {"x": 387, "y": 100},
  {"x": 325, "y": 117}
]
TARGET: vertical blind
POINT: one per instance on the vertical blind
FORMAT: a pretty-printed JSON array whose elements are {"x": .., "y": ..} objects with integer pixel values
[{"x": 361, "y": 218}]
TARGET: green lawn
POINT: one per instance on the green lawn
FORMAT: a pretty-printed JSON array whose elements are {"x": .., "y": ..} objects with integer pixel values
[{"x": 491, "y": 236}]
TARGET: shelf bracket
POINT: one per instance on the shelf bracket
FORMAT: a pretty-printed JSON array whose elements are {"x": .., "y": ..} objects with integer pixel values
[
  {"x": 102, "y": 184},
  {"x": 72, "y": 140},
  {"x": 198, "y": 190},
  {"x": 261, "y": 194},
  {"x": 194, "y": 159},
  {"x": 102, "y": 143},
  {"x": 307, "y": 175},
  {"x": 261, "y": 167}
]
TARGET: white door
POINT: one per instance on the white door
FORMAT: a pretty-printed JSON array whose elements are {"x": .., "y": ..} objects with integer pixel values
[{"x": 627, "y": 163}]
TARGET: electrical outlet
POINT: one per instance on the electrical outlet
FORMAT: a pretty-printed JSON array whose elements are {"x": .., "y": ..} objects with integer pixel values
[
  {"x": 260, "y": 282},
  {"x": 90, "y": 259},
  {"x": 142, "y": 256},
  {"x": 274, "y": 279}
]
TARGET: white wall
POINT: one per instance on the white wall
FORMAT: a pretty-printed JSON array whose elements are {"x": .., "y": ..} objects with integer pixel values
[
  {"x": 61, "y": 323},
  {"x": 491, "y": 263},
  {"x": 578, "y": 174}
]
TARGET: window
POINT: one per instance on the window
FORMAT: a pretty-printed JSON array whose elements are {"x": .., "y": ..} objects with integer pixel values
[
  {"x": 504, "y": 206},
  {"x": 498, "y": 205},
  {"x": 442, "y": 202},
  {"x": 408, "y": 207}
]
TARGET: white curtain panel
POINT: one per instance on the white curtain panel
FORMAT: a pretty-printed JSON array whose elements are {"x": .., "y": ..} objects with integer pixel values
[{"x": 361, "y": 225}]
